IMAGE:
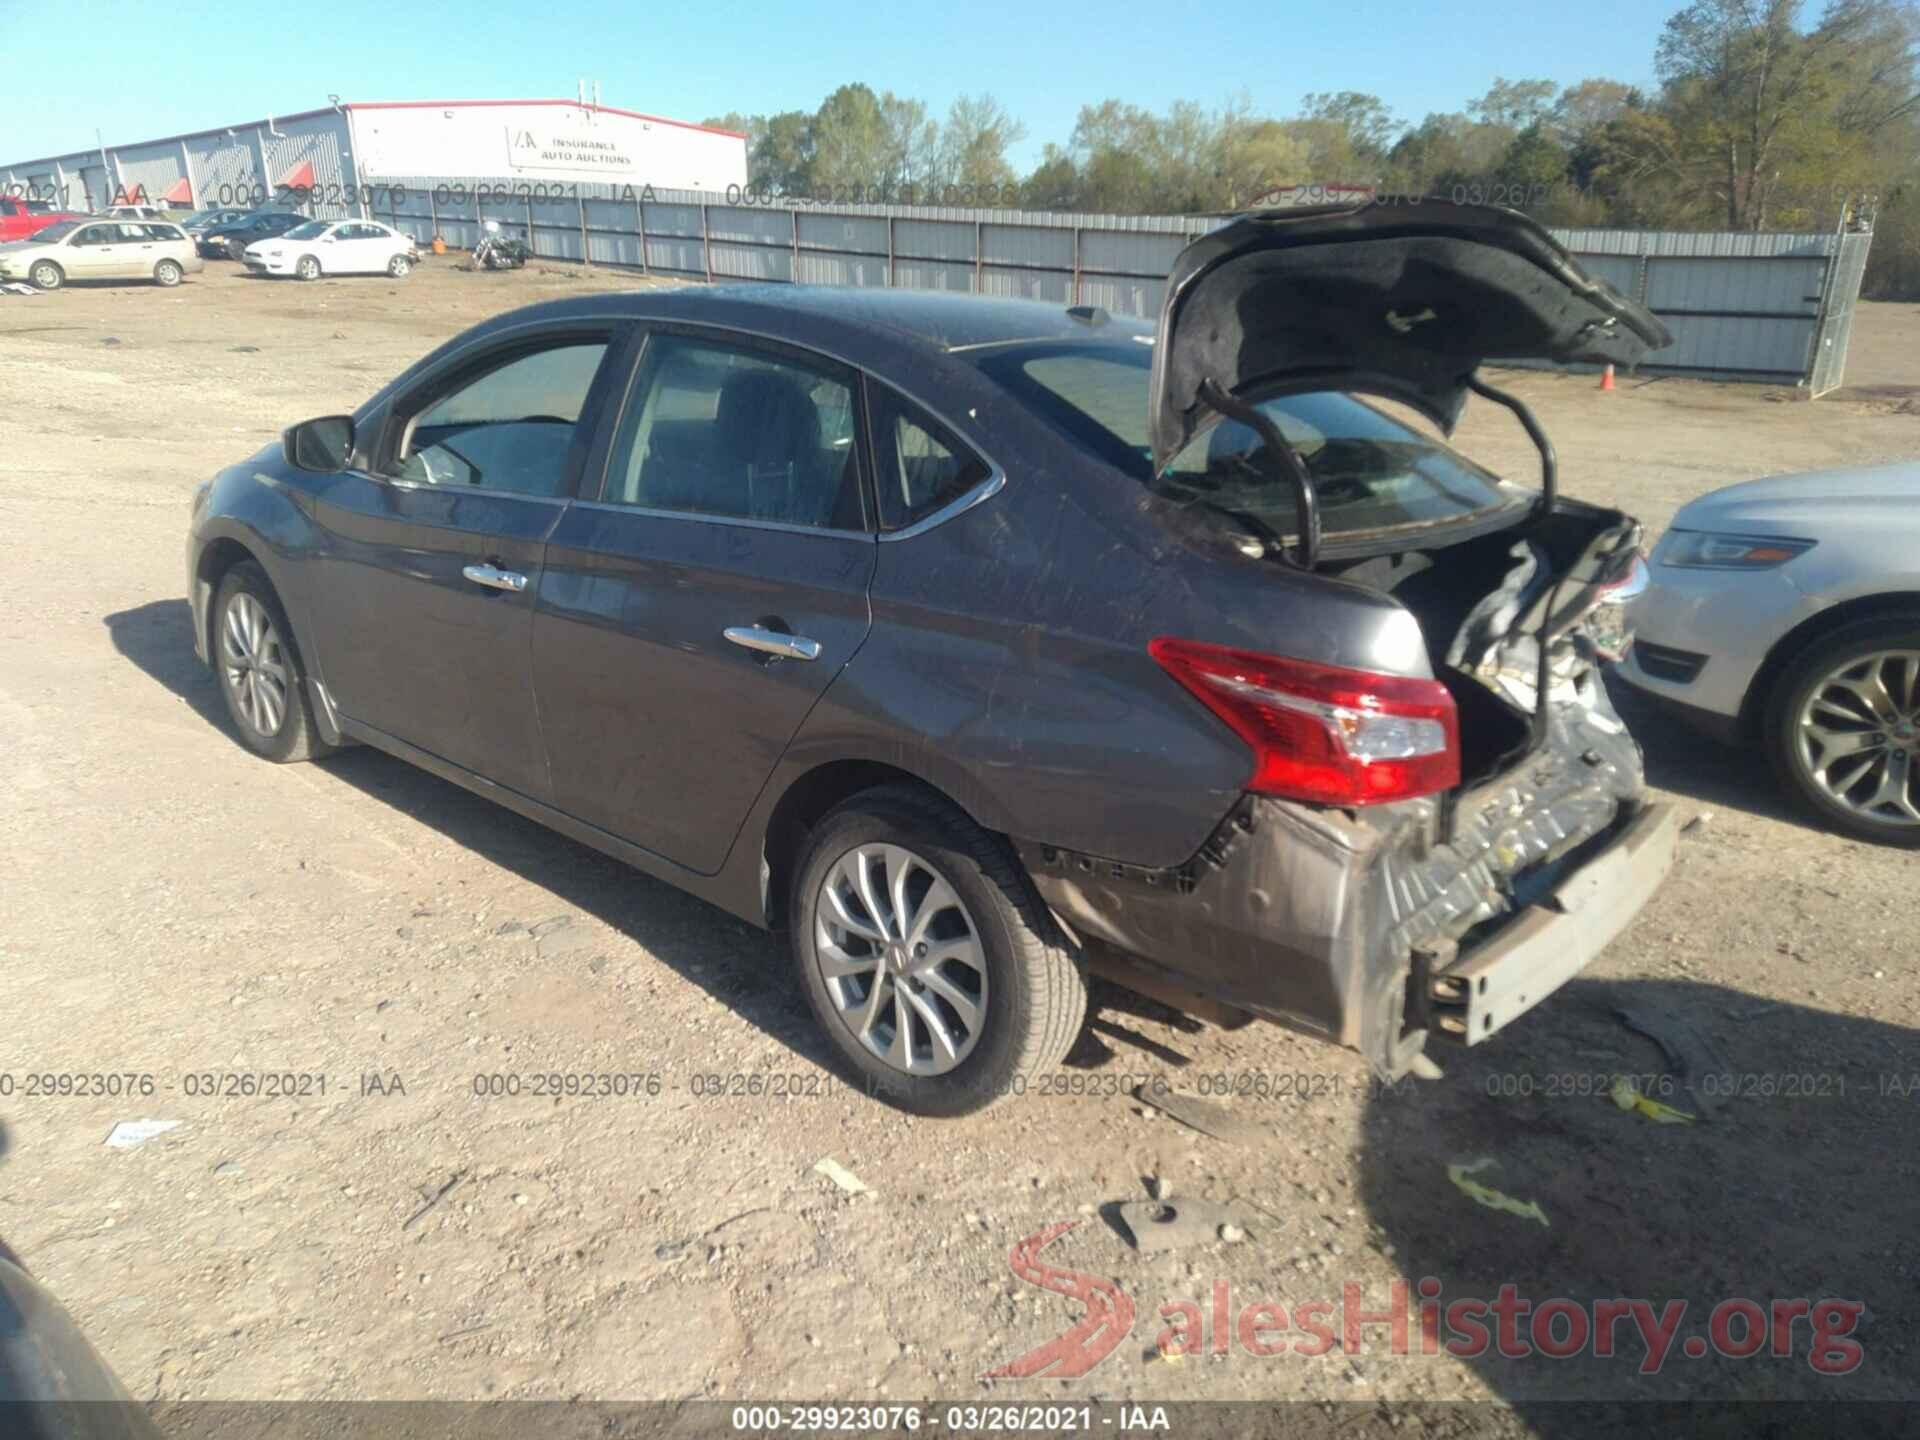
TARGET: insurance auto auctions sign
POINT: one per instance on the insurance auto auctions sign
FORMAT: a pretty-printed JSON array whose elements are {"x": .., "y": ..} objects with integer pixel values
[{"x": 568, "y": 152}]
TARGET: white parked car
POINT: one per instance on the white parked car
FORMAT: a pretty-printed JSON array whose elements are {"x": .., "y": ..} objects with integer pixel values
[
  {"x": 334, "y": 247},
  {"x": 1784, "y": 614},
  {"x": 132, "y": 212},
  {"x": 102, "y": 250}
]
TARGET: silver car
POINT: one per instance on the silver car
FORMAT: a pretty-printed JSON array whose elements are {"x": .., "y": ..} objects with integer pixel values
[
  {"x": 1785, "y": 613},
  {"x": 153, "y": 250}
]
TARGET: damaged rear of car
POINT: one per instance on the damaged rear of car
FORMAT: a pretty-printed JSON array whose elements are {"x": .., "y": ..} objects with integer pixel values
[{"x": 1444, "y": 820}]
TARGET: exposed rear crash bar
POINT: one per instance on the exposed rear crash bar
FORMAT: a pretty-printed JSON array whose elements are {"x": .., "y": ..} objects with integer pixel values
[{"x": 1551, "y": 941}]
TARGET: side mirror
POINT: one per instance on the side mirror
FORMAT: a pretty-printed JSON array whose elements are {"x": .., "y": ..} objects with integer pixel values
[{"x": 322, "y": 445}]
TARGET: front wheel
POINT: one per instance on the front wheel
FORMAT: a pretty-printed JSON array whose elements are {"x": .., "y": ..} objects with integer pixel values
[
  {"x": 46, "y": 275},
  {"x": 927, "y": 958},
  {"x": 308, "y": 268},
  {"x": 168, "y": 273},
  {"x": 399, "y": 267},
  {"x": 1843, "y": 729},
  {"x": 261, "y": 677}
]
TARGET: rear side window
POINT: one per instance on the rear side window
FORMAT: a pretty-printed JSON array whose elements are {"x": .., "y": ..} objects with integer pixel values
[
  {"x": 738, "y": 433},
  {"x": 920, "y": 467},
  {"x": 510, "y": 428}
]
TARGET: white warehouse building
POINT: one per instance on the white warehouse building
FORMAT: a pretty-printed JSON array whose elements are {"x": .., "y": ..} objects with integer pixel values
[{"x": 348, "y": 157}]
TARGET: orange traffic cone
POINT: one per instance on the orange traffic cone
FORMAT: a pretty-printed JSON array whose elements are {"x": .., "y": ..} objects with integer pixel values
[{"x": 1606, "y": 378}]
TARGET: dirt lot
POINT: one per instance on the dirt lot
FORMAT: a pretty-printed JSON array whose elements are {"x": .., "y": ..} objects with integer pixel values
[{"x": 174, "y": 908}]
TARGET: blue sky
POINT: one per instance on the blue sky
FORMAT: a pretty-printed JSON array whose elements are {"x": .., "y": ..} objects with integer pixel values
[{"x": 139, "y": 70}]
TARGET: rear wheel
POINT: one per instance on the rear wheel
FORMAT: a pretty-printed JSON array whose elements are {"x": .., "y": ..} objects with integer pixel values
[
  {"x": 46, "y": 275},
  {"x": 1843, "y": 729},
  {"x": 926, "y": 957},
  {"x": 168, "y": 273},
  {"x": 399, "y": 267},
  {"x": 260, "y": 674},
  {"x": 308, "y": 268}
]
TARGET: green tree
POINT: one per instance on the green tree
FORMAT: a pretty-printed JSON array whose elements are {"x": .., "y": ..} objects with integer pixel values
[
  {"x": 1513, "y": 104},
  {"x": 974, "y": 143},
  {"x": 851, "y": 143}
]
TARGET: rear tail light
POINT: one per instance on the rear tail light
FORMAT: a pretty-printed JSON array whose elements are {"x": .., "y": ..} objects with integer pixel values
[{"x": 1323, "y": 733}]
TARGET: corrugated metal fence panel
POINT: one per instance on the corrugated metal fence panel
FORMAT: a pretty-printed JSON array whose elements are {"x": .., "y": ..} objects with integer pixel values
[
  {"x": 1122, "y": 253},
  {"x": 1738, "y": 304},
  {"x": 1027, "y": 245},
  {"x": 848, "y": 234},
  {"x": 931, "y": 274},
  {"x": 1780, "y": 286},
  {"x": 1027, "y": 284},
  {"x": 1738, "y": 345},
  {"x": 818, "y": 267},
  {"x": 933, "y": 240}
]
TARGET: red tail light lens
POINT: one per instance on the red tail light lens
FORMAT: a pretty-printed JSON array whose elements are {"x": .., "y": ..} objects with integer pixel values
[{"x": 1323, "y": 733}]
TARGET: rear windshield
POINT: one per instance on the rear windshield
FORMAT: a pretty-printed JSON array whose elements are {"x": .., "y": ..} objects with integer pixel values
[{"x": 1370, "y": 471}]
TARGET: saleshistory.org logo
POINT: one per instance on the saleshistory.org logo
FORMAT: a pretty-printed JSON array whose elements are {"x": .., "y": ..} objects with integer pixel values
[{"x": 1508, "y": 1325}]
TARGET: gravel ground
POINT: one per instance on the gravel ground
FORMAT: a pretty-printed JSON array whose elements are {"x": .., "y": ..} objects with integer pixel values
[{"x": 176, "y": 909}]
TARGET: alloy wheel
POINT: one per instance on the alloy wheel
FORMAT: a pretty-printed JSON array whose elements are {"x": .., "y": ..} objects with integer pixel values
[
  {"x": 901, "y": 959},
  {"x": 1858, "y": 737},
  {"x": 255, "y": 664}
]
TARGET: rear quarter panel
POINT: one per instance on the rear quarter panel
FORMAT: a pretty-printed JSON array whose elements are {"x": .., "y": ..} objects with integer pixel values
[{"x": 1008, "y": 658}]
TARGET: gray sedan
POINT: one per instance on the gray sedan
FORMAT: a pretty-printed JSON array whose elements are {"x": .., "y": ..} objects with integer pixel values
[
  {"x": 1785, "y": 613},
  {"x": 979, "y": 644}
]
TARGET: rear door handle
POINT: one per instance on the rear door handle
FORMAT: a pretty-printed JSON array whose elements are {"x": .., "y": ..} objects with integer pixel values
[
  {"x": 773, "y": 642},
  {"x": 494, "y": 578}
]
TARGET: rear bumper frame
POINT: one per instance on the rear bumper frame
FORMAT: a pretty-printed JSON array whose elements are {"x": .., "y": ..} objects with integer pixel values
[{"x": 1545, "y": 945}]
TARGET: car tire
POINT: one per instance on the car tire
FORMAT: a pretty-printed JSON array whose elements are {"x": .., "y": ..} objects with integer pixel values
[
  {"x": 46, "y": 275},
  {"x": 308, "y": 267},
  {"x": 168, "y": 273},
  {"x": 399, "y": 267},
  {"x": 257, "y": 664},
  {"x": 1858, "y": 786},
  {"x": 989, "y": 920}
]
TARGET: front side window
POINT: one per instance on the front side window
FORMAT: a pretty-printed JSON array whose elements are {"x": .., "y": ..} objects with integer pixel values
[
  {"x": 98, "y": 235},
  {"x": 509, "y": 428},
  {"x": 919, "y": 467},
  {"x": 737, "y": 433},
  {"x": 312, "y": 230},
  {"x": 1370, "y": 470}
]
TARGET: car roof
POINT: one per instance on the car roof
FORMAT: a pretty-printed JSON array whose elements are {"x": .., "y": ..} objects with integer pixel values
[{"x": 840, "y": 317}]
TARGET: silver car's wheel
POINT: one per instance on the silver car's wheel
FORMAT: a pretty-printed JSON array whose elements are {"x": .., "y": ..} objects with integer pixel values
[
  {"x": 46, "y": 275},
  {"x": 168, "y": 273},
  {"x": 901, "y": 959},
  {"x": 1859, "y": 737},
  {"x": 254, "y": 664}
]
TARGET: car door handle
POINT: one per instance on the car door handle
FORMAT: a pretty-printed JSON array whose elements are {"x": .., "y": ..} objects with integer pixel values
[
  {"x": 773, "y": 642},
  {"x": 494, "y": 578}
]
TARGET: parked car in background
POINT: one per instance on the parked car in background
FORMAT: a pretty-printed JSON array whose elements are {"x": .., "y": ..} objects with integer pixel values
[
  {"x": 21, "y": 219},
  {"x": 978, "y": 642},
  {"x": 334, "y": 247},
  {"x": 201, "y": 221},
  {"x": 102, "y": 250},
  {"x": 230, "y": 241},
  {"x": 1784, "y": 616}
]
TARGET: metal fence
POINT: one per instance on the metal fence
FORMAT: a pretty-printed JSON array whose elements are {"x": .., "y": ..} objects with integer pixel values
[{"x": 1775, "y": 308}]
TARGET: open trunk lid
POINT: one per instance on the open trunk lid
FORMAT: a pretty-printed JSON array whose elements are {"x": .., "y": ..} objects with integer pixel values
[{"x": 1399, "y": 298}]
